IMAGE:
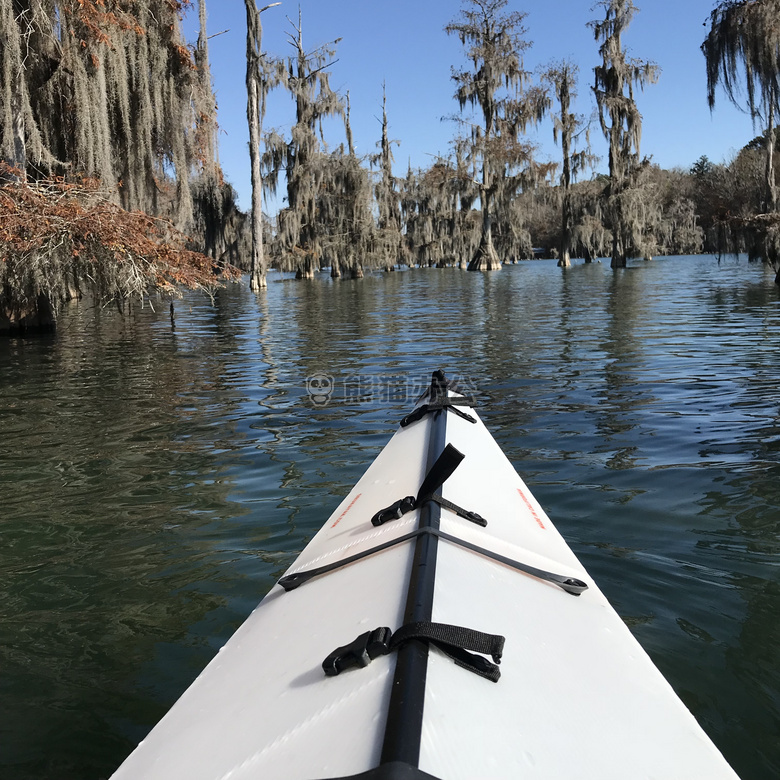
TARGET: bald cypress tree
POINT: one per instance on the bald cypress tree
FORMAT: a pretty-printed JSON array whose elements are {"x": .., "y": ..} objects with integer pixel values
[
  {"x": 302, "y": 158},
  {"x": 260, "y": 78},
  {"x": 218, "y": 224},
  {"x": 421, "y": 199},
  {"x": 742, "y": 50},
  {"x": 344, "y": 218},
  {"x": 498, "y": 86},
  {"x": 101, "y": 91},
  {"x": 440, "y": 227},
  {"x": 106, "y": 89},
  {"x": 568, "y": 127},
  {"x": 207, "y": 124},
  {"x": 620, "y": 120},
  {"x": 387, "y": 199}
]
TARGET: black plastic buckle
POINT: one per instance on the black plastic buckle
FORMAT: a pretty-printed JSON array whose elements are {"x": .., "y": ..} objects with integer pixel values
[
  {"x": 475, "y": 518},
  {"x": 466, "y": 514},
  {"x": 395, "y": 511},
  {"x": 358, "y": 653}
]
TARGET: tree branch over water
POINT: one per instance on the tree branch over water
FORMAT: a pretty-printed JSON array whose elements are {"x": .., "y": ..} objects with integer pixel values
[{"x": 57, "y": 238}]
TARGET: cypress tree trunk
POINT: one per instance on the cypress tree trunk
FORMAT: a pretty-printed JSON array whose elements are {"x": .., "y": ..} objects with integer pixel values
[
  {"x": 20, "y": 154},
  {"x": 564, "y": 261},
  {"x": 486, "y": 257},
  {"x": 13, "y": 85},
  {"x": 254, "y": 34},
  {"x": 257, "y": 263},
  {"x": 305, "y": 270},
  {"x": 208, "y": 127},
  {"x": 348, "y": 129},
  {"x": 770, "y": 154},
  {"x": 616, "y": 174},
  {"x": 618, "y": 250}
]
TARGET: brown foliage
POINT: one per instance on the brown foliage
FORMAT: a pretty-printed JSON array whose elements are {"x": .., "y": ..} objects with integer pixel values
[
  {"x": 56, "y": 236},
  {"x": 98, "y": 16}
]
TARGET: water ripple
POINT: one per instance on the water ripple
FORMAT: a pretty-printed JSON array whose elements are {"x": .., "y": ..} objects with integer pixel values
[{"x": 155, "y": 481}]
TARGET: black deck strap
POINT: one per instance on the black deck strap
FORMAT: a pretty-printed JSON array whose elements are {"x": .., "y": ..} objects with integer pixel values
[
  {"x": 570, "y": 584},
  {"x": 439, "y": 473},
  {"x": 442, "y": 469},
  {"x": 393, "y": 770},
  {"x": 453, "y": 641},
  {"x": 292, "y": 581},
  {"x": 397, "y": 510},
  {"x": 439, "y": 399},
  {"x": 450, "y": 404},
  {"x": 466, "y": 514}
]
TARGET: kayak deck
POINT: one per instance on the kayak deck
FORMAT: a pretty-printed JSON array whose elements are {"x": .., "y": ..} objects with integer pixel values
[{"x": 577, "y": 694}]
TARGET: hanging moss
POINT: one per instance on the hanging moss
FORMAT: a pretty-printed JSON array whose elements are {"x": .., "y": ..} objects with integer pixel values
[
  {"x": 620, "y": 121},
  {"x": 743, "y": 56},
  {"x": 496, "y": 84},
  {"x": 569, "y": 128},
  {"x": 301, "y": 158},
  {"x": 439, "y": 230},
  {"x": 107, "y": 89},
  {"x": 388, "y": 236}
]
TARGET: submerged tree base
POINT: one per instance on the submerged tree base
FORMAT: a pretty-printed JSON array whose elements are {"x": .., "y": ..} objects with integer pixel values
[
  {"x": 340, "y": 270},
  {"x": 258, "y": 282},
  {"x": 757, "y": 234},
  {"x": 37, "y": 317},
  {"x": 486, "y": 258}
]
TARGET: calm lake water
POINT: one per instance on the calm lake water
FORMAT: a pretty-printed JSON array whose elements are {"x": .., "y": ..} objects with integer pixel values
[{"x": 156, "y": 481}]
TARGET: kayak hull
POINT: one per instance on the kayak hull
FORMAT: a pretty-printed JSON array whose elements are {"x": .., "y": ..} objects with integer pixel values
[{"x": 577, "y": 696}]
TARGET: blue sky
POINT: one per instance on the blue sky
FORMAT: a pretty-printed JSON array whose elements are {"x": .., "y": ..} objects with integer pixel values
[{"x": 403, "y": 44}]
